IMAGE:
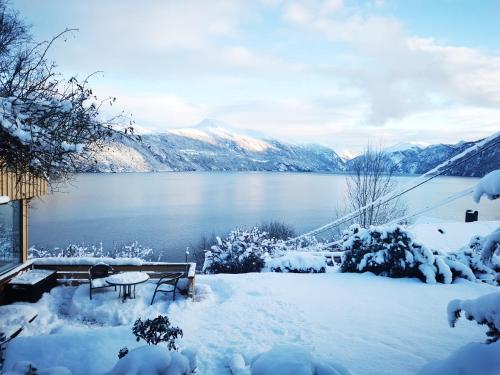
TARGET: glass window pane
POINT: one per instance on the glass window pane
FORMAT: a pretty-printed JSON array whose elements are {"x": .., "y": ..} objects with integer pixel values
[{"x": 10, "y": 235}]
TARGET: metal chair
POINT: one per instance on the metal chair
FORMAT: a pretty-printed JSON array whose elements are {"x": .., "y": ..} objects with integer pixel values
[
  {"x": 170, "y": 280},
  {"x": 97, "y": 276}
]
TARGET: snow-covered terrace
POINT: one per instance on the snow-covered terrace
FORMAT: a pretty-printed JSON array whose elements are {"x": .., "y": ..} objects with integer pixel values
[{"x": 369, "y": 324}]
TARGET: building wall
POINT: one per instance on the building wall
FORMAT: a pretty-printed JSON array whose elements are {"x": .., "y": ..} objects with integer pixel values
[{"x": 22, "y": 187}]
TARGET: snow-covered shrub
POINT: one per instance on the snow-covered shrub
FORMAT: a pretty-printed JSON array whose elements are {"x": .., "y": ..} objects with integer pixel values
[
  {"x": 278, "y": 230},
  {"x": 472, "y": 257},
  {"x": 284, "y": 360},
  {"x": 484, "y": 310},
  {"x": 489, "y": 185},
  {"x": 146, "y": 360},
  {"x": 490, "y": 249},
  {"x": 123, "y": 352},
  {"x": 156, "y": 331},
  {"x": 133, "y": 250},
  {"x": 297, "y": 262},
  {"x": 392, "y": 251},
  {"x": 240, "y": 252}
]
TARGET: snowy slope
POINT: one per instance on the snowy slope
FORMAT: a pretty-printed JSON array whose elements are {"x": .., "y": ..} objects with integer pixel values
[
  {"x": 414, "y": 158},
  {"x": 213, "y": 146},
  {"x": 451, "y": 236},
  {"x": 209, "y": 147}
]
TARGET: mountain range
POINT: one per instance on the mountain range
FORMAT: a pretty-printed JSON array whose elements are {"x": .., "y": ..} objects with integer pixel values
[{"x": 212, "y": 147}]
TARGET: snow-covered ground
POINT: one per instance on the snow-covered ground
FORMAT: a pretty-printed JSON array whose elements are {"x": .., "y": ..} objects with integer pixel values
[
  {"x": 368, "y": 324},
  {"x": 453, "y": 235}
]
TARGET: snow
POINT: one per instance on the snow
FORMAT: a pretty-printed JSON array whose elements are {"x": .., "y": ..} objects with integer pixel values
[
  {"x": 4, "y": 199},
  {"x": 147, "y": 360},
  {"x": 360, "y": 321},
  {"x": 296, "y": 261},
  {"x": 127, "y": 278},
  {"x": 31, "y": 277},
  {"x": 88, "y": 261},
  {"x": 402, "y": 146},
  {"x": 471, "y": 359},
  {"x": 13, "y": 317},
  {"x": 489, "y": 186},
  {"x": 455, "y": 234},
  {"x": 285, "y": 360}
]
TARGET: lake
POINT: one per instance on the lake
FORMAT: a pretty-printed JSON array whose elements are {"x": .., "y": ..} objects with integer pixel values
[{"x": 172, "y": 210}]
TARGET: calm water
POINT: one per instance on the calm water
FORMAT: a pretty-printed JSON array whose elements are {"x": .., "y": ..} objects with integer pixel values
[{"x": 169, "y": 211}]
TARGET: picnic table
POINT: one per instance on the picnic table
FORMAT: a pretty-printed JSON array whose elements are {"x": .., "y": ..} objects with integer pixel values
[{"x": 127, "y": 281}]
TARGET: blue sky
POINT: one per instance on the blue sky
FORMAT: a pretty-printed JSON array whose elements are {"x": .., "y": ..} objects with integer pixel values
[{"x": 334, "y": 72}]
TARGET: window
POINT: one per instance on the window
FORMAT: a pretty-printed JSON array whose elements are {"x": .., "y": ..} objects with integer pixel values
[{"x": 10, "y": 235}]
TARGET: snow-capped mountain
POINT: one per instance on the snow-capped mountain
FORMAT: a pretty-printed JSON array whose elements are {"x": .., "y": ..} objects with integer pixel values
[
  {"x": 416, "y": 158},
  {"x": 212, "y": 147}
]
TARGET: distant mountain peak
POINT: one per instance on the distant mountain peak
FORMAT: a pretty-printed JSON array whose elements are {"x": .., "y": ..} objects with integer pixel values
[{"x": 403, "y": 146}]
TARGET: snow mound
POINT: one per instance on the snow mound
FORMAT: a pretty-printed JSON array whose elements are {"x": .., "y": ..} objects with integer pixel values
[
  {"x": 471, "y": 359},
  {"x": 151, "y": 359},
  {"x": 284, "y": 360},
  {"x": 489, "y": 185},
  {"x": 298, "y": 262}
]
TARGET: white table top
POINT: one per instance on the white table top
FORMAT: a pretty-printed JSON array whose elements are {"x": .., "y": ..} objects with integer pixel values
[{"x": 127, "y": 278}]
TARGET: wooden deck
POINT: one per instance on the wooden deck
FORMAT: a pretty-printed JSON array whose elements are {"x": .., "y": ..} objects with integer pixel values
[{"x": 76, "y": 274}]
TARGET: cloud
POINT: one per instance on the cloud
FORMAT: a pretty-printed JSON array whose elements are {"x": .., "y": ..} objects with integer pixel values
[
  {"x": 304, "y": 70},
  {"x": 400, "y": 74},
  {"x": 155, "y": 111}
]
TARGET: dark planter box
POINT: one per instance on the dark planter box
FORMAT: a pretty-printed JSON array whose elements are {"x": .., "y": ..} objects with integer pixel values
[{"x": 25, "y": 292}]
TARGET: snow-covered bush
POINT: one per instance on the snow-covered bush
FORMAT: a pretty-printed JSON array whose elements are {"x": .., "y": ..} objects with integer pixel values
[
  {"x": 472, "y": 257},
  {"x": 157, "y": 330},
  {"x": 297, "y": 262},
  {"x": 490, "y": 249},
  {"x": 392, "y": 251},
  {"x": 489, "y": 185},
  {"x": 278, "y": 230},
  {"x": 146, "y": 360},
  {"x": 284, "y": 360},
  {"x": 133, "y": 250},
  {"x": 484, "y": 310},
  {"x": 240, "y": 252}
]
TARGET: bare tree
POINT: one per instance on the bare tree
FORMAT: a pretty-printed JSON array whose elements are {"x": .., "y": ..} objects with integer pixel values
[
  {"x": 372, "y": 177},
  {"x": 49, "y": 126}
]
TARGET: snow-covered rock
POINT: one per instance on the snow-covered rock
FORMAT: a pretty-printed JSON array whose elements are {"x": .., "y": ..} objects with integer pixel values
[{"x": 489, "y": 186}]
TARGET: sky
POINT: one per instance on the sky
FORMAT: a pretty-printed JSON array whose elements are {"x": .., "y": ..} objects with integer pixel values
[{"x": 335, "y": 72}]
